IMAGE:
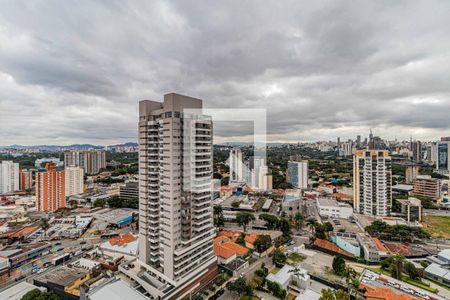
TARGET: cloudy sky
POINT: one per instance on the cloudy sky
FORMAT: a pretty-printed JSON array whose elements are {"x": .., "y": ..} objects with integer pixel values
[{"x": 73, "y": 71}]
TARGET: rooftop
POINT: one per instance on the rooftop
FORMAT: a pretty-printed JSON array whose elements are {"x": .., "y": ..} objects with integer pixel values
[
  {"x": 62, "y": 276},
  {"x": 116, "y": 290},
  {"x": 385, "y": 294},
  {"x": 327, "y": 245}
]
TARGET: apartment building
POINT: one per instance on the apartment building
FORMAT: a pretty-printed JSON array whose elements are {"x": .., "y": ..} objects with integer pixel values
[
  {"x": 443, "y": 157},
  {"x": 91, "y": 161},
  {"x": 372, "y": 182},
  {"x": 411, "y": 173},
  {"x": 175, "y": 200},
  {"x": 74, "y": 180},
  {"x": 297, "y": 174},
  {"x": 25, "y": 180},
  {"x": 50, "y": 189},
  {"x": 9, "y": 177},
  {"x": 237, "y": 166},
  {"x": 426, "y": 186}
]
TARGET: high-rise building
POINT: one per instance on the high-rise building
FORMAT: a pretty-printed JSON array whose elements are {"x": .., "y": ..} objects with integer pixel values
[
  {"x": 372, "y": 182},
  {"x": 91, "y": 161},
  {"x": 236, "y": 165},
  {"x": 50, "y": 189},
  {"x": 416, "y": 149},
  {"x": 176, "y": 231},
  {"x": 9, "y": 177},
  {"x": 25, "y": 180},
  {"x": 411, "y": 173},
  {"x": 297, "y": 174},
  {"x": 426, "y": 186},
  {"x": 74, "y": 177},
  {"x": 346, "y": 149},
  {"x": 443, "y": 157}
]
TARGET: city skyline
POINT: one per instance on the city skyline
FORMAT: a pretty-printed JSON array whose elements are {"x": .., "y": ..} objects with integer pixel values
[{"x": 321, "y": 70}]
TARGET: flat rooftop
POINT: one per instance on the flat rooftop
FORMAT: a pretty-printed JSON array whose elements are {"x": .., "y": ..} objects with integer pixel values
[{"x": 62, "y": 276}]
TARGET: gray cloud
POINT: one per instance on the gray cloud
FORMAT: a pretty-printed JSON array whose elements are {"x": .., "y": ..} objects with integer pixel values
[{"x": 74, "y": 71}]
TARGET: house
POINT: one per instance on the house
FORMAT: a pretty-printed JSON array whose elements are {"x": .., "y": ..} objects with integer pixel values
[
  {"x": 288, "y": 277},
  {"x": 227, "y": 250},
  {"x": 250, "y": 240}
]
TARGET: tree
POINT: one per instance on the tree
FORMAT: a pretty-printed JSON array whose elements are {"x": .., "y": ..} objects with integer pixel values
[
  {"x": 284, "y": 226},
  {"x": 219, "y": 220},
  {"x": 241, "y": 240},
  {"x": 44, "y": 225},
  {"x": 262, "y": 243},
  {"x": 99, "y": 203},
  {"x": 298, "y": 218},
  {"x": 339, "y": 266},
  {"x": 278, "y": 257},
  {"x": 236, "y": 204},
  {"x": 271, "y": 220},
  {"x": 326, "y": 294},
  {"x": 239, "y": 286},
  {"x": 311, "y": 223},
  {"x": 73, "y": 203},
  {"x": 411, "y": 270},
  {"x": 341, "y": 295},
  {"x": 37, "y": 294},
  {"x": 244, "y": 218},
  {"x": 276, "y": 289},
  {"x": 397, "y": 266}
]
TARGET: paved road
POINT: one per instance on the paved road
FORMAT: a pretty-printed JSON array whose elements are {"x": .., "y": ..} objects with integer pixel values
[{"x": 436, "y": 212}]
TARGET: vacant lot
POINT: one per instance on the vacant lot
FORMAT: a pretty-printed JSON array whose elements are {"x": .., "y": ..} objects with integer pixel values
[{"x": 437, "y": 226}]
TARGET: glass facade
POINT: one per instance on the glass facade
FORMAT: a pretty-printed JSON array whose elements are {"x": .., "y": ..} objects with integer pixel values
[{"x": 442, "y": 161}]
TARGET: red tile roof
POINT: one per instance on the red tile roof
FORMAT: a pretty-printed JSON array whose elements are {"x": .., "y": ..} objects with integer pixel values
[
  {"x": 327, "y": 245},
  {"x": 384, "y": 294},
  {"x": 379, "y": 244},
  {"x": 251, "y": 238},
  {"x": 122, "y": 240},
  {"x": 224, "y": 247}
]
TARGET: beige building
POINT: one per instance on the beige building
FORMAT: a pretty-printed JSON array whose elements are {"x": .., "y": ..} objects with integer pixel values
[
  {"x": 91, "y": 161},
  {"x": 9, "y": 177},
  {"x": 411, "y": 173},
  {"x": 74, "y": 181},
  {"x": 372, "y": 182},
  {"x": 176, "y": 231},
  {"x": 426, "y": 186},
  {"x": 412, "y": 208}
]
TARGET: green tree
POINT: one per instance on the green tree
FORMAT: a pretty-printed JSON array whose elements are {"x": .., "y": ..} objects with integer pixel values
[
  {"x": 241, "y": 240},
  {"x": 276, "y": 289},
  {"x": 411, "y": 270},
  {"x": 244, "y": 218},
  {"x": 339, "y": 265},
  {"x": 219, "y": 220},
  {"x": 239, "y": 286},
  {"x": 278, "y": 257},
  {"x": 44, "y": 225},
  {"x": 262, "y": 243},
  {"x": 341, "y": 295},
  {"x": 73, "y": 203},
  {"x": 311, "y": 223},
  {"x": 271, "y": 220},
  {"x": 284, "y": 226},
  {"x": 298, "y": 218},
  {"x": 37, "y": 294},
  {"x": 397, "y": 266},
  {"x": 99, "y": 203},
  {"x": 326, "y": 294}
]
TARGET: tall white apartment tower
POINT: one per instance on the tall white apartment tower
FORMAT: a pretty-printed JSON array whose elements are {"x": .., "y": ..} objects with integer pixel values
[
  {"x": 175, "y": 200},
  {"x": 236, "y": 165},
  {"x": 372, "y": 182},
  {"x": 74, "y": 180},
  {"x": 9, "y": 177}
]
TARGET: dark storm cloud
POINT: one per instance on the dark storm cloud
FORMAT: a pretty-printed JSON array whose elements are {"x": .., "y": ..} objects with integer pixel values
[{"x": 74, "y": 71}]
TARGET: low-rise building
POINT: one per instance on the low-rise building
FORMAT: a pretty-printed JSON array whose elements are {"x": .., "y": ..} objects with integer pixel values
[
  {"x": 439, "y": 269},
  {"x": 287, "y": 277},
  {"x": 64, "y": 281},
  {"x": 412, "y": 209},
  {"x": 331, "y": 208},
  {"x": 426, "y": 186},
  {"x": 130, "y": 190},
  {"x": 292, "y": 201}
]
